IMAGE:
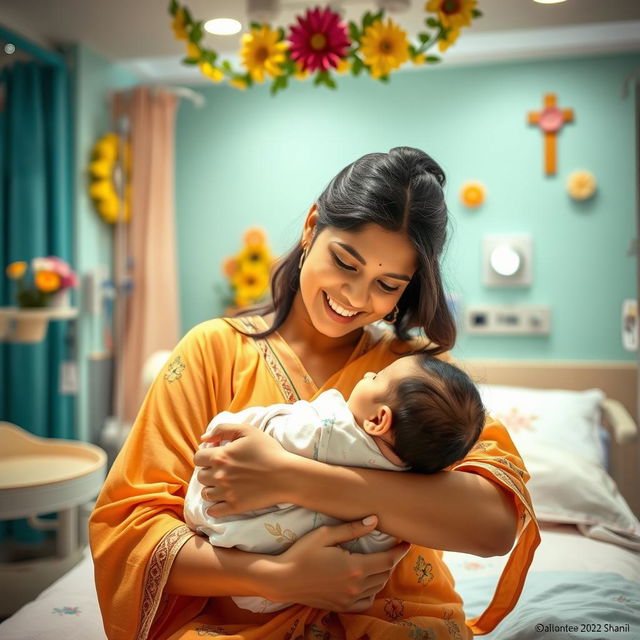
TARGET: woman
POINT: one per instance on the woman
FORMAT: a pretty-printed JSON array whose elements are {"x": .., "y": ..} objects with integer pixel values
[{"x": 369, "y": 251}]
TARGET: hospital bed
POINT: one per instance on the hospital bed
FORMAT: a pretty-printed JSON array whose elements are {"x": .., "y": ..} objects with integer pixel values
[{"x": 584, "y": 582}]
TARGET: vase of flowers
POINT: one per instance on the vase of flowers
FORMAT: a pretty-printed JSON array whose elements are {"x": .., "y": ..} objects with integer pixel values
[
  {"x": 248, "y": 271},
  {"x": 46, "y": 282}
]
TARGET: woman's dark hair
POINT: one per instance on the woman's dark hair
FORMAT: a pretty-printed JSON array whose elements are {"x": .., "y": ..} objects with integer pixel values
[
  {"x": 400, "y": 191},
  {"x": 437, "y": 416}
]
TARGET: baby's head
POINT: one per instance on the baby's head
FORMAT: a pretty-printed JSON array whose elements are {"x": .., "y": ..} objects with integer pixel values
[{"x": 422, "y": 412}]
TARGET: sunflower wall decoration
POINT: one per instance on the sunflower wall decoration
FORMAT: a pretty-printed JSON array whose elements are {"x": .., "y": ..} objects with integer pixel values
[
  {"x": 248, "y": 271},
  {"x": 320, "y": 43},
  {"x": 107, "y": 175}
]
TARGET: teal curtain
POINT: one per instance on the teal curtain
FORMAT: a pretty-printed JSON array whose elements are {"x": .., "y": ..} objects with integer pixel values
[{"x": 35, "y": 220}]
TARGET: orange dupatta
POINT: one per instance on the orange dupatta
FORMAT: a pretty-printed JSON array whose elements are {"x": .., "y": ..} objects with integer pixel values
[{"x": 137, "y": 527}]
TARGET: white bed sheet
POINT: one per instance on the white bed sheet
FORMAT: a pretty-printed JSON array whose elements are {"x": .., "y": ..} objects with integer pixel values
[{"x": 68, "y": 609}]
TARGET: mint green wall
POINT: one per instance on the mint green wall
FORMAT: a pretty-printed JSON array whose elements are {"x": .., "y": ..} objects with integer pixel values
[
  {"x": 247, "y": 158},
  {"x": 94, "y": 77}
]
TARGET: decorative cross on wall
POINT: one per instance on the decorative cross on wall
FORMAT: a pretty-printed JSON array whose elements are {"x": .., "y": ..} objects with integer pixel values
[{"x": 550, "y": 120}]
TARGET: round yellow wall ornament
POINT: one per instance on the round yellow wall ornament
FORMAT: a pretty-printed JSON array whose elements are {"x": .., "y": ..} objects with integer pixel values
[
  {"x": 581, "y": 185},
  {"x": 109, "y": 177},
  {"x": 473, "y": 194}
]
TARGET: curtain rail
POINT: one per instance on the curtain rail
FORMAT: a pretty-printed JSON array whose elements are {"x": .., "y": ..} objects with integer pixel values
[{"x": 31, "y": 48}]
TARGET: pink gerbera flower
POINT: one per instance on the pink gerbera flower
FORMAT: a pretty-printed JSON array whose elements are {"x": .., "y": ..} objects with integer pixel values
[{"x": 319, "y": 40}]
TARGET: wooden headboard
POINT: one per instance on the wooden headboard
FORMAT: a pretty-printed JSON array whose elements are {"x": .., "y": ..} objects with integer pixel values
[{"x": 618, "y": 380}]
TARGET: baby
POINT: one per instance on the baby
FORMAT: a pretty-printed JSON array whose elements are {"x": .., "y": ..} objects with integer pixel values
[{"x": 418, "y": 414}]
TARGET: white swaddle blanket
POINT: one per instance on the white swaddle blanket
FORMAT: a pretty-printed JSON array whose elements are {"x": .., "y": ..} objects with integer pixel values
[{"x": 322, "y": 430}]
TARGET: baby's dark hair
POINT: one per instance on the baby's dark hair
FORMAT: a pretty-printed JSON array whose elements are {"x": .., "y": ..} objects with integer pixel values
[{"x": 437, "y": 416}]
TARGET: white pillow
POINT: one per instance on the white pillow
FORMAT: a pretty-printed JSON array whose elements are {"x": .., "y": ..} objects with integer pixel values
[
  {"x": 565, "y": 487},
  {"x": 566, "y": 419}
]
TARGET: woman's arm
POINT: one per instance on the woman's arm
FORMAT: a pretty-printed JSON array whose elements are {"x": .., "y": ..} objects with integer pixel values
[
  {"x": 341, "y": 581},
  {"x": 449, "y": 510}
]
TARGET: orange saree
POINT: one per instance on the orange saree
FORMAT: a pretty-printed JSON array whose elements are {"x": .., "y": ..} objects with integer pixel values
[{"x": 137, "y": 527}]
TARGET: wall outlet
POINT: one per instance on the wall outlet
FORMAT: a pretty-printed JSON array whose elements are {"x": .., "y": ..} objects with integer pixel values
[{"x": 508, "y": 320}]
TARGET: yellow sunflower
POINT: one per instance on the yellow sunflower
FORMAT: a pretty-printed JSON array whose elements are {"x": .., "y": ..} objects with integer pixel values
[
  {"x": 262, "y": 53},
  {"x": 193, "y": 50},
  {"x": 179, "y": 25},
  {"x": 453, "y": 14},
  {"x": 238, "y": 83},
  {"x": 47, "y": 281},
  {"x": 252, "y": 257},
  {"x": 450, "y": 38},
  {"x": 384, "y": 47},
  {"x": 343, "y": 66},
  {"x": 250, "y": 286},
  {"x": 213, "y": 73}
]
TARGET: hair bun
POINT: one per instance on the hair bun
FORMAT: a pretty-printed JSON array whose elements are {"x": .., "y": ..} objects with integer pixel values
[{"x": 420, "y": 162}]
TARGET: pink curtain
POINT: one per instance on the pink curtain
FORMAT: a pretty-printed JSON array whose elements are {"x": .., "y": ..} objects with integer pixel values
[{"x": 146, "y": 247}]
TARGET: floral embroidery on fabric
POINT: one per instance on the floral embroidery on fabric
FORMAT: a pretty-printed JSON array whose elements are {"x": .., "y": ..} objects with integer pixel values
[
  {"x": 515, "y": 420},
  {"x": 208, "y": 630},
  {"x": 394, "y": 608},
  {"x": 511, "y": 466},
  {"x": 292, "y": 628},
  {"x": 452, "y": 626},
  {"x": 422, "y": 569},
  {"x": 418, "y": 633},
  {"x": 174, "y": 370},
  {"x": 317, "y": 632},
  {"x": 483, "y": 446},
  {"x": 328, "y": 422},
  {"x": 67, "y": 611},
  {"x": 282, "y": 536}
]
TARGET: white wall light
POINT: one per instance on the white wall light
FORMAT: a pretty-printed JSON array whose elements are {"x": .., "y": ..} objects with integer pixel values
[
  {"x": 507, "y": 260},
  {"x": 222, "y": 26}
]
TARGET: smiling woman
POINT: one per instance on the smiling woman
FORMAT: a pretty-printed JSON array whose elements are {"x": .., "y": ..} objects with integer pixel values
[{"x": 370, "y": 249}]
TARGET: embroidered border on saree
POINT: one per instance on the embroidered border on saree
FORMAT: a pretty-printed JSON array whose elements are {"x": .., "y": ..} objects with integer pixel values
[
  {"x": 157, "y": 573},
  {"x": 276, "y": 368},
  {"x": 511, "y": 581}
]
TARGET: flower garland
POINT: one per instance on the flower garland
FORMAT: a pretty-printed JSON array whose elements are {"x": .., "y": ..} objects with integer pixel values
[
  {"x": 320, "y": 43},
  {"x": 105, "y": 178}
]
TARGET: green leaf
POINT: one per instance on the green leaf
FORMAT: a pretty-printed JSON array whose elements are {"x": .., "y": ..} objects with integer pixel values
[
  {"x": 210, "y": 56},
  {"x": 384, "y": 79},
  {"x": 190, "y": 61},
  {"x": 412, "y": 50},
  {"x": 476, "y": 13},
  {"x": 226, "y": 65},
  {"x": 187, "y": 16},
  {"x": 330, "y": 82},
  {"x": 424, "y": 37},
  {"x": 255, "y": 25},
  {"x": 173, "y": 7},
  {"x": 280, "y": 34},
  {"x": 354, "y": 32},
  {"x": 357, "y": 66},
  {"x": 196, "y": 33},
  {"x": 367, "y": 20},
  {"x": 432, "y": 22},
  {"x": 433, "y": 59}
]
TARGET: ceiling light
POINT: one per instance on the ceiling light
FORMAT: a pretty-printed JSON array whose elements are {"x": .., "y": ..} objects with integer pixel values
[
  {"x": 222, "y": 26},
  {"x": 9, "y": 48},
  {"x": 549, "y": 1}
]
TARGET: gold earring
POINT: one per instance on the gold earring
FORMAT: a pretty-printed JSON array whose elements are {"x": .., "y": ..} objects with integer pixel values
[
  {"x": 394, "y": 317},
  {"x": 303, "y": 257}
]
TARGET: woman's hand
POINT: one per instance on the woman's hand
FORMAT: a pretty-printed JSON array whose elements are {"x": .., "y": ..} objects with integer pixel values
[
  {"x": 316, "y": 573},
  {"x": 246, "y": 474}
]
